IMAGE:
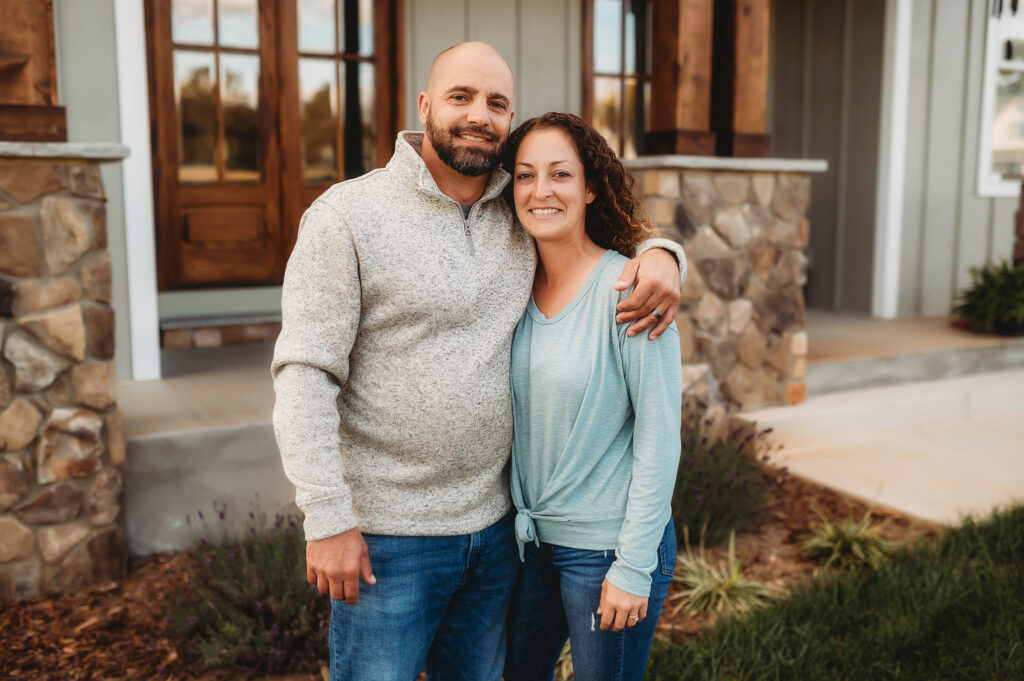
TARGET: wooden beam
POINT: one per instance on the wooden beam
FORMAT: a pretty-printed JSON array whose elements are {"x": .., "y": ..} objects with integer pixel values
[
  {"x": 33, "y": 123},
  {"x": 740, "y": 90},
  {"x": 681, "y": 62}
]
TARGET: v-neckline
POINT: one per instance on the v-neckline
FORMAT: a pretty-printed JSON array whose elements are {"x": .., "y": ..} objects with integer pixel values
[{"x": 541, "y": 318}]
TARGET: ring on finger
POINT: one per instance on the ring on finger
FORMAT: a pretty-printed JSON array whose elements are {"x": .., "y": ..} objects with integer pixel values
[
  {"x": 634, "y": 618},
  {"x": 657, "y": 315}
]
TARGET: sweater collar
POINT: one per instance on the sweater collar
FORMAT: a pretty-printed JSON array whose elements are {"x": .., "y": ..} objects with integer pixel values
[{"x": 407, "y": 160}]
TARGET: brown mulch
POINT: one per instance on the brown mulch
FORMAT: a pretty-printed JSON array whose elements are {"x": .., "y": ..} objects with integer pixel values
[
  {"x": 770, "y": 550},
  {"x": 116, "y": 631}
]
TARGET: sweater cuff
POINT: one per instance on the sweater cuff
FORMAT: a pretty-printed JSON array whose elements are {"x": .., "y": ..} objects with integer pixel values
[
  {"x": 630, "y": 578},
  {"x": 672, "y": 247},
  {"x": 328, "y": 518}
]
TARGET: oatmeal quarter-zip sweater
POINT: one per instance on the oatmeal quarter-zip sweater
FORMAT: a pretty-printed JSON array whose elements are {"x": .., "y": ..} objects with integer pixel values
[{"x": 393, "y": 410}]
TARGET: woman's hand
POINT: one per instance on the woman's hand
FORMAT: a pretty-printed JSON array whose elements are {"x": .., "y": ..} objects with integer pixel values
[
  {"x": 656, "y": 275},
  {"x": 619, "y": 609}
]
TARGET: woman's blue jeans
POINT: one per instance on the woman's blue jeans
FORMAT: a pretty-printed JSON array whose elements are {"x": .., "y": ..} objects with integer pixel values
[
  {"x": 438, "y": 601},
  {"x": 556, "y": 597}
]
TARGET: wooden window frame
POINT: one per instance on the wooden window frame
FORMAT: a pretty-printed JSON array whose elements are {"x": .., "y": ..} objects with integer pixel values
[{"x": 641, "y": 77}]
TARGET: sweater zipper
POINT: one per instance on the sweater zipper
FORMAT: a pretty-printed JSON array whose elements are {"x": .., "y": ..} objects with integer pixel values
[{"x": 469, "y": 238}]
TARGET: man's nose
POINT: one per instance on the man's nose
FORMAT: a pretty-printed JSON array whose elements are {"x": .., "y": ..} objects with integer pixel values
[{"x": 478, "y": 111}]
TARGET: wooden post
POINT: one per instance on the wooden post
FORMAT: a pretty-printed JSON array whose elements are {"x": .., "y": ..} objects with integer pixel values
[
  {"x": 740, "y": 88},
  {"x": 681, "y": 59},
  {"x": 28, "y": 74}
]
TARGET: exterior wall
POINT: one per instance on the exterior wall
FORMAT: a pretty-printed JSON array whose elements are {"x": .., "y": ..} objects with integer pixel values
[
  {"x": 825, "y": 86},
  {"x": 540, "y": 39},
  {"x": 947, "y": 227},
  {"x": 87, "y": 88}
]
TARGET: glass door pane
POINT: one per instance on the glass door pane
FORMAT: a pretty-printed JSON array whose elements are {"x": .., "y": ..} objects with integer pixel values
[
  {"x": 240, "y": 76},
  {"x": 192, "y": 21},
  {"x": 194, "y": 83},
  {"x": 317, "y": 26},
  {"x": 318, "y": 92},
  {"x": 237, "y": 25}
]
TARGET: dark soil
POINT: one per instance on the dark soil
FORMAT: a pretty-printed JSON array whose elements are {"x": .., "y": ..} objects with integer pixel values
[{"x": 116, "y": 631}]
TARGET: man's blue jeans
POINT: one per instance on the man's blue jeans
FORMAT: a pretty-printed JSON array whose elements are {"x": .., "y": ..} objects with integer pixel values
[
  {"x": 557, "y": 596},
  {"x": 438, "y": 601}
]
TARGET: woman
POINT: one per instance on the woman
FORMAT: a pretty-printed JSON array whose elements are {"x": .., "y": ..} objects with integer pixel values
[{"x": 596, "y": 419}]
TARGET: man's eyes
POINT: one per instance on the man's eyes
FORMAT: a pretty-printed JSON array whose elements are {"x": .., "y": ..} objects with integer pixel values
[{"x": 500, "y": 106}]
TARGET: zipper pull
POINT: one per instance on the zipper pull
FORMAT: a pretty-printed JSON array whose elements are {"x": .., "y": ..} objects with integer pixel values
[{"x": 469, "y": 238}]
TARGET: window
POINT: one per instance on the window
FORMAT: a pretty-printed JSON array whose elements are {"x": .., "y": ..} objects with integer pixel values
[
  {"x": 616, "y": 82},
  {"x": 1001, "y": 148}
]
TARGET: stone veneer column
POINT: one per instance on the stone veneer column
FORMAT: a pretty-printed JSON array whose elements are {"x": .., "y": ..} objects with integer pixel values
[
  {"x": 61, "y": 435},
  {"x": 741, "y": 318}
]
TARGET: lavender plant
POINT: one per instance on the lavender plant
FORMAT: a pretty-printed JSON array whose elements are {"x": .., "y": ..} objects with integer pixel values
[
  {"x": 248, "y": 604},
  {"x": 720, "y": 486}
]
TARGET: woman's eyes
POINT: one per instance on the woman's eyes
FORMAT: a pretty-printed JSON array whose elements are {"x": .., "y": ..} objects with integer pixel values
[{"x": 562, "y": 174}]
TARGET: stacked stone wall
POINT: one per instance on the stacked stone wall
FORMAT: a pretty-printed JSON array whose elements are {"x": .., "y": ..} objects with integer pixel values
[
  {"x": 741, "y": 318},
  {"x": 61, "y": 435}
]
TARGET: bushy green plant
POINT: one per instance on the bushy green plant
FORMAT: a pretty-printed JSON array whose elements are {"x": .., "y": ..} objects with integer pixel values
[
  {"x": 721, "y": 589},
  {"x": 994, "y": 302},
  {"x": 249, "y": 605},
  {"x": 720, "y": 486},
  {"x": 848, "y": 543}
]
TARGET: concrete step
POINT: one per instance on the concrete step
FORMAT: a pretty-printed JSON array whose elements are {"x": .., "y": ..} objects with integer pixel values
[{"x": 201, "y": 435}]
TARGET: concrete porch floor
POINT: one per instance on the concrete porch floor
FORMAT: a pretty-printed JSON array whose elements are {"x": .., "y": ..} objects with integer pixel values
[{"x": 934, "y": 448}]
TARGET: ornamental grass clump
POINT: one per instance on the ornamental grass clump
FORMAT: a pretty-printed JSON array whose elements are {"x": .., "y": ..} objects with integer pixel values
[
  {"x": 720, "y": 485},
  {"x": 248, "y": 604},
  {"x": 994, "y": 302},
  {"x": 718, "y": 590},
  {"x": 848, "y": 543}
]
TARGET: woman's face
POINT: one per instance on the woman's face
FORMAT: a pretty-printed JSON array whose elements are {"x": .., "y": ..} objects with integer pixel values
[{"x": 550, "y": 192}]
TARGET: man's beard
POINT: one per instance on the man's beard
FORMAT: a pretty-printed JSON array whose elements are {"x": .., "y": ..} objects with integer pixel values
[{"x": 467, "y": 161}]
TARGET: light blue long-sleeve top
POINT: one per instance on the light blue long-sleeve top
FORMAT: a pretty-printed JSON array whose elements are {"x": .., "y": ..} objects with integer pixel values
[{"x": 597, "y": 417}]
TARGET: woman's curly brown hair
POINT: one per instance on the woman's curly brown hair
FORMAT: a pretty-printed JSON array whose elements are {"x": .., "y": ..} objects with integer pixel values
[{"x": 615, "y": 219}]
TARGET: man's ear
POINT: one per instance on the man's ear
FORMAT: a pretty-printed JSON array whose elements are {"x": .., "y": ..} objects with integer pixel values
[{"x": 423, "y": 105}]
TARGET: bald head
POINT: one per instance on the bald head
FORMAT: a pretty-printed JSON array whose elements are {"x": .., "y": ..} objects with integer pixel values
[{"x": 465, "y": 58}]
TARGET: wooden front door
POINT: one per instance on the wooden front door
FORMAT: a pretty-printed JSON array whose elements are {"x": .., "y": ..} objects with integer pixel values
[{"x": 257, "y": 106}]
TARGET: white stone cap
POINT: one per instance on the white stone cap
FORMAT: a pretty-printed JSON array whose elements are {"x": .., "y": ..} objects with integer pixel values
[
  {"x": 96, "y": 151},
  {"x": 776, "y": 165}
]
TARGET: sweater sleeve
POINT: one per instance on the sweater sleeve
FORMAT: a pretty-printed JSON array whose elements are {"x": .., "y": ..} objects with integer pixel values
[
  {"x": 320, "y": 304},
  {"x": 654, "y": 379},
  {"x": 670, "y": 246}
]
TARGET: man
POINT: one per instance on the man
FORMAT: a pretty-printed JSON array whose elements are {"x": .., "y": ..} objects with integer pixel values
[{"x": 393, "y": 410}]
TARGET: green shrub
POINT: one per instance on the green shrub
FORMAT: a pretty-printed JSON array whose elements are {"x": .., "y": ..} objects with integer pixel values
[
  {"x": 848, "y": 543},
  {"x": 994, "y": 302},
  {"x": 249, "y": 605},
  {"x": 720, "y": 486},
  {"x": 718, "y": 590}
]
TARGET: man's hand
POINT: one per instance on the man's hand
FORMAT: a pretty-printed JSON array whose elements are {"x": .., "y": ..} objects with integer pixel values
[
  {"x": 619, "y": 609},
  {"x": 656, "y": 275},
  {"x": 336, "y": 564}
]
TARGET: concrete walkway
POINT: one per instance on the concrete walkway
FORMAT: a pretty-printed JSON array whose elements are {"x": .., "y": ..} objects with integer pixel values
[{"x": 936, "y": 449}]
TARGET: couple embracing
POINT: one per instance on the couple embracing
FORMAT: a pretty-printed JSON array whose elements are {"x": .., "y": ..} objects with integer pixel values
[{"x": 469, "y": 301}]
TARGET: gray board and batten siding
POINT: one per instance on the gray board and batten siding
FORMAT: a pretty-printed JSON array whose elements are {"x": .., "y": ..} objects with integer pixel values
[
  {"x": 540, "y": 40},
  {"x": 947, "y": 226},
  {"x": 825, "y": 102}
]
